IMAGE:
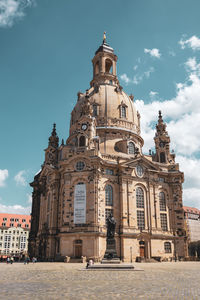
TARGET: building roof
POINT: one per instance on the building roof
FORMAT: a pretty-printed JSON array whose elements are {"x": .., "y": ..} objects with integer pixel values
[
  {"x": 191, "y": 210},
  {"x": 18, "y": 219}
]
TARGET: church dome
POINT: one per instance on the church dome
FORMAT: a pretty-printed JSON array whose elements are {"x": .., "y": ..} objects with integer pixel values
[{"x": 110, "y": 105}]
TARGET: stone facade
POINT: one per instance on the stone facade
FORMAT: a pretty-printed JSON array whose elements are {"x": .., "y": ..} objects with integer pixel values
[{"x": 101, "y": 169}]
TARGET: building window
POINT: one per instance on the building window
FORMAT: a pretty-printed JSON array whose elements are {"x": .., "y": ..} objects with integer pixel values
[
  {"x": 131, "y": 148},
  {"x": 12, "y": 219},
  {"x": 162, "y": 201},
  {"x": 109, "y": 172},
  {"x": 139, "y": 171},
  {"x": 108, "y": 66},
  {"x": 139, "y": 197},
  {"x": 3, "y": 224},
  {"x": 162, "y": 157},
  {"x": 82, "y": 141},
  {"x": 48, "y": 203},
  {"x": 122, "y": 111},
  {"x": 167, "y": 247},
  {"x": 80, "y": 165},
  {"x": 26, "y": 226},
  {"x": 163, "y": 221},
  {"x": 108, "y": 212},
  {"x": 11, "y": 225},
  {"x": 140, "y": 219},
  {"x": 19, "y": 225},
  {"x": 109, "y": 195},
  {"x": 4, "y": 219},
  {"x": 95, "y": 110},
  {"x": 23, "y": 220}
]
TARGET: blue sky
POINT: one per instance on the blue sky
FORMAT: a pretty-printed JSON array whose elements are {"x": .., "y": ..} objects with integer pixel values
[{"x": 46, "y": 47}]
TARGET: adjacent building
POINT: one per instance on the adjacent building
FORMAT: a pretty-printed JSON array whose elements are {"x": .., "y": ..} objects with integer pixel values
[
  {"x": 192, "y": 226},
  {"x": 14, "y": 234},
  {"x": 101, "y": 170}
]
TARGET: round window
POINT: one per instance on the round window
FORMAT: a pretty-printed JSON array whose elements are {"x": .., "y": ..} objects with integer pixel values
[
  {"x": 80, "y": 165},
  {"x": 139, "y": 170}
]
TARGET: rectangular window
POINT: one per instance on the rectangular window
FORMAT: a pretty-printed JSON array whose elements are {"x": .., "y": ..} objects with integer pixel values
[
  {"x": 26, "y": 226},
  {"x": 12, "y": 219},
  {"x": 123, "y": 111},
  {"x": 16, "y": 220},
  {"x": 4, "y": 219},
  {"x": 7, "y": 238},
  {"x": 108, "y": 211},
  {"x": 140, "y": 219},
  {"x": 23, "y": 220},
  {"x": 4, "y": 224},
  {"x": 109, "y": 172},
  {"x": 163, "y": 222},
  {"x": 95, "y": 112},
  {"x": 11, "y": 225},
  {"x": 167, "y": 246}
]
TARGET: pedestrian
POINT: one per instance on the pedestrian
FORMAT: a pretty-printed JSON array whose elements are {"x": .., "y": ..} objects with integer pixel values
[
  {"x": 12, "y": 260},
  {"x": 8, "y": 260}
]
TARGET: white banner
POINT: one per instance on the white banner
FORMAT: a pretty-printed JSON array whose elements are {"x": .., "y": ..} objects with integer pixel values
[{"x": 80, "y": 204}]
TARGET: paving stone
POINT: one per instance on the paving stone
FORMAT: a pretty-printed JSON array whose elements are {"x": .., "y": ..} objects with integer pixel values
[{"x": 176, "y": 280}]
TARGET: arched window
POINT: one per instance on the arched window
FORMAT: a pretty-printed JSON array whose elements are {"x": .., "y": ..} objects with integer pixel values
[
  {"x": 162, "y": 201},
  {"x": 123, "y": 111},
  {"x": 97, "y": 68},
  {"x": 82, "y": 141},
  {"x": 109, "y": 195},
  {"x": 131, "y": 148},
  {"x": 162, "y": 157},
  {"x": 167, "y": 247},
  {"x": 139, "y": 197},
  {"x": 95, "y": 112},
  {"x": 108, "y": 66}
]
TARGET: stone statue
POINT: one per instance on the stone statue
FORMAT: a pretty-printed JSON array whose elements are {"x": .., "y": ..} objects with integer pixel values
[{"x": 111, "y": 223}]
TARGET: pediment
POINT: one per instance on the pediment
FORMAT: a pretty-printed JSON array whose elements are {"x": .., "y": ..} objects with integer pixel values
[
  {"x": 47, "y": 169},
  {"x": 142, "y": 161}
]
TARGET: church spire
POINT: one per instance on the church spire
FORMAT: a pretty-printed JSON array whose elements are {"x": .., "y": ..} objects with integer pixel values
[
  {"x": 53, "y": 139},
  {"x": 162, "y": 141}
]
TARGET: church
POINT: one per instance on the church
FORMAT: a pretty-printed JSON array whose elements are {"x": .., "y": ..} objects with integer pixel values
[{"x": 101, "y": 170}]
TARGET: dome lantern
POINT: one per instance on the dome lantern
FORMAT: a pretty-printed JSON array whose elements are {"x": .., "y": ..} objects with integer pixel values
[{"x": 104, "y": 65}]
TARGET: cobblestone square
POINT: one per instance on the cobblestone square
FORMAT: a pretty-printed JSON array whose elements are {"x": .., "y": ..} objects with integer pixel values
[{"x": 176, "y": 280}]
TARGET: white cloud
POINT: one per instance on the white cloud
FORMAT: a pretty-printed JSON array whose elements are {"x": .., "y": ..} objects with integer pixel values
[
  {"x": 3, "y": 177},
  {"x": 15, "y": 209},
  {"x": 191, "y": 197},
  {"x": 152, "y": 94},
  {"x": 192, "y": 65},
  {"x": 125, "y": 78},
  {"x": 182, "y": 115},
  {"x": 137, "y": 79},
  {"x": 11, "y": 10},
  {"x": 20, "y": 179},
  {"x": 153, "y": 52},
  {"x": 29, "y": 196},
  {"x": 193, "y": 42}
]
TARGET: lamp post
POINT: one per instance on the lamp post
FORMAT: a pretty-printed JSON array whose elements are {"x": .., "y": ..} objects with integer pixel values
[{"x": 131, "y": 254}]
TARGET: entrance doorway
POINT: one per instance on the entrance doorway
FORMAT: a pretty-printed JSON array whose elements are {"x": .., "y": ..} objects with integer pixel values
[
  {"x": 78, "y": 248},
  {"x": 142, "y": 249}
]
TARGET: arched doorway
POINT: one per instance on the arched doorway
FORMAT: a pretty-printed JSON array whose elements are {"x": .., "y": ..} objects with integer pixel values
[
  {"x": 78, "y": 248},
  {"x": 142, "y": 249}
]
